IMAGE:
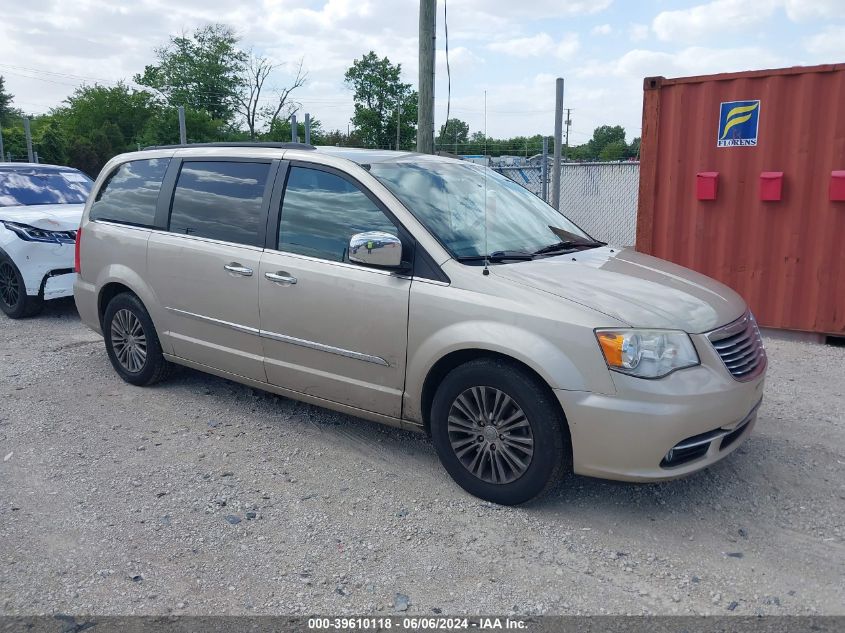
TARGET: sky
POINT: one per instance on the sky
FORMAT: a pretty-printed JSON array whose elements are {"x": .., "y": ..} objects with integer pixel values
[{"x": 512, "y": 50}]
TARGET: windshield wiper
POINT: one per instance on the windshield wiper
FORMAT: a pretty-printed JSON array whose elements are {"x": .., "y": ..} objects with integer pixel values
[
  {"x": 568, "y": 245},
  {"x": 498, "y": 256}
]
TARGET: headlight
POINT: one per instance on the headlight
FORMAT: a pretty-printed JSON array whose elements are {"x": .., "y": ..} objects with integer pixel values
[
  {"x": 647, "y": 353},
  {"x": 33, "y": 234}
]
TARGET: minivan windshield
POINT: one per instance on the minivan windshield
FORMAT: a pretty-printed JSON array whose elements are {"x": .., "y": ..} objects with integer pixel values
[
  {"x": 449, "y": 199},
  {"x": 31, "y": 186}
]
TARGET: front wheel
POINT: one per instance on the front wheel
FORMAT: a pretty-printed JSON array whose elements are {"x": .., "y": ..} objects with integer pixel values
[
  {"x": 132, "y": 343},
  {"x": 498, "y": 432},
  {"x": 13, "y": 298}
]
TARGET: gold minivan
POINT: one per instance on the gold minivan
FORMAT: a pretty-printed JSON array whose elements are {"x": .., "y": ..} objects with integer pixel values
[{"x": 422, "y": 292}]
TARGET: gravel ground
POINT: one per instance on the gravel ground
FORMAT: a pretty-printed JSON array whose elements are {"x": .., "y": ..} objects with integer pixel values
[{"x": 202, "y": 496}]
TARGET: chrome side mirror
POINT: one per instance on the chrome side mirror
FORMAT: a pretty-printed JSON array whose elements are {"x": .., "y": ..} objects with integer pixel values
[{"x": 376, "y": 248}]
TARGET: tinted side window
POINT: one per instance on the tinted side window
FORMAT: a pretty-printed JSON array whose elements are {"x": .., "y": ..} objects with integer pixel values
[
  {"x": 130, "y": 193},
  {"x": 220, "y": 200},
  {"x": 321, "y": 211}
]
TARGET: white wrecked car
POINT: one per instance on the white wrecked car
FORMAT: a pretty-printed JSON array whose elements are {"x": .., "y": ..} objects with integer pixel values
[{"x": 40, "y": 210}]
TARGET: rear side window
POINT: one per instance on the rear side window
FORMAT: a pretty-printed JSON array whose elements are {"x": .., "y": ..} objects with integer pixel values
[
  {"x": 321, "y": 211},
  {"x": 220, "y": 200},
  {"x": 130, "y": 193}
]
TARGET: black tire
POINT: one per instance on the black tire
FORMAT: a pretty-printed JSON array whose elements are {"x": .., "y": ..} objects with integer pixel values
[
  {"x": 154, "y": 367},
  {"x": 551, "y": 456},
  {"x": 13, "y": 298}
]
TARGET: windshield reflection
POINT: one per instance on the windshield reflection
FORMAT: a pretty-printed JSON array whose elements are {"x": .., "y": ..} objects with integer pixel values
[{"x": 450, "y": 199}]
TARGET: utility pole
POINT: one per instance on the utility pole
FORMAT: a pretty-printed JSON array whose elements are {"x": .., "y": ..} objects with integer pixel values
[
  {"x": 183, "y": 137},
  {"x": 28, "y": 135},
  {"x": 568, "y": 123},
  {"x": 558, "y": 139},
  {"x": 425, "y": 107},
  {"x": 307, "y": 129}
]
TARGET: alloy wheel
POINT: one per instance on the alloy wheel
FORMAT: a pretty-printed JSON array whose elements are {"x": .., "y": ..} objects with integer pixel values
[
  {"x": 490, "y": 435},
  {"x": 9, "y": 287},
  {"x": 129, "y": 341}
]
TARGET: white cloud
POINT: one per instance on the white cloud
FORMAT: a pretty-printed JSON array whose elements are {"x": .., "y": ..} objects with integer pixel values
[
  {"x": 829, "y": 44},
  {"x": 460, "y": 59},
  {"x": 541, "y": 44},
  {"x": 694, "y": 60},
  {"x": 717, "y": 17},
  {"x": 801, "y": 10},
  {"x": 638, "y": 32},
  {"x": 601, "y": 29},
  {"x": 539, "y": 8}
]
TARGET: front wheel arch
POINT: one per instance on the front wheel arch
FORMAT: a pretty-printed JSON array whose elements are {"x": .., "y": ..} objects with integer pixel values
[{"x": 455, "y": 359}]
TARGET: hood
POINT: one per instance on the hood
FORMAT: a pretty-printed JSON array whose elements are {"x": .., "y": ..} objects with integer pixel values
[
  {"x": 637, "y": 289},
  {"x": 51, "y": 217}
]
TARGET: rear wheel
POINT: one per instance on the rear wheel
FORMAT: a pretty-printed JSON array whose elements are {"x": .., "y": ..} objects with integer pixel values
[
  {"x": 13, "y": 298},
  {"x": 498, "y": 432},
  {"x": 132, "y": 343}
]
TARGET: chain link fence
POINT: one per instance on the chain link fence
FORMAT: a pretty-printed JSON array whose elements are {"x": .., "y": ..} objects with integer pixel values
[
  {"x": 530, "y": 177},
  {"x": 601, "y": 198}
]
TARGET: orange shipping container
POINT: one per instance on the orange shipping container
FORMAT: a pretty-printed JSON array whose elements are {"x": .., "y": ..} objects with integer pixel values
[{"x": 738, "y": 180}]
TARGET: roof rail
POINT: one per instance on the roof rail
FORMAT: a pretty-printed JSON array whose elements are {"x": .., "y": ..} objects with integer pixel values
[{"x": 236, "y": 144}]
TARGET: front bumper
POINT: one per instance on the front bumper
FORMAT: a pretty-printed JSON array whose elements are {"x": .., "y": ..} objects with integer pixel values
[
  {"x": 627, "y": 435},
  {"x": 45, "y": 267}
]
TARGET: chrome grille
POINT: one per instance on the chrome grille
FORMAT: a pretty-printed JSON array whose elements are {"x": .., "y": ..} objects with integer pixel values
[{"x": 740, "y": 347}]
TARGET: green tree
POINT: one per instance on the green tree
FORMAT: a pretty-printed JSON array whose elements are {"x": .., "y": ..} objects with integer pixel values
[
  {"x": 280, "y": 131},
  {"x": 615, "y": 150},
  {"x": 90, "y": 109},
  {"x": 83, "y": 156},
  {"x": 634, "y": 148},
  {"x": 52, "y": 144},
  {"x": 163, "y": 128},
  {"x": 453, "y": 136},
  {"x": 7, "y": 112},
  {"x": 341, "y": 139},
  {"x": 378, "y": 94},
  {"x": 203, "y": 71},
  {"x": 14, "y": 142},
  {"x": 605, "y": 135}
]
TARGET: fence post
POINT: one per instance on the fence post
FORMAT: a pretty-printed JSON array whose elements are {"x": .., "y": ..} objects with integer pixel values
[
  {"x": 544, "y": 170},
  {"x": 28, "y": 135},
  {"x": 35, "y": 154},
  {"x": 2, "y": 152},
  {"x": 307, "y": 129},
  {"x": 293, "y": 131},
  {"x": 183, "y": 137}
]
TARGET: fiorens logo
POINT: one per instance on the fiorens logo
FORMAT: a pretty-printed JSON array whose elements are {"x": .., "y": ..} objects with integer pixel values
[{"x": 738, "y": 123}]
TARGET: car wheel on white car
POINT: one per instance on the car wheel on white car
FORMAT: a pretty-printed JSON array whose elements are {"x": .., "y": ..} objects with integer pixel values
[{"x": 13, "y": 298}]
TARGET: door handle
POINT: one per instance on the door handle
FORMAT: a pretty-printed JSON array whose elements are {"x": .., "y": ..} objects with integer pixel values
[
  {"x": 281, "y": 278},
  {"x": 237, "y": 269}
]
